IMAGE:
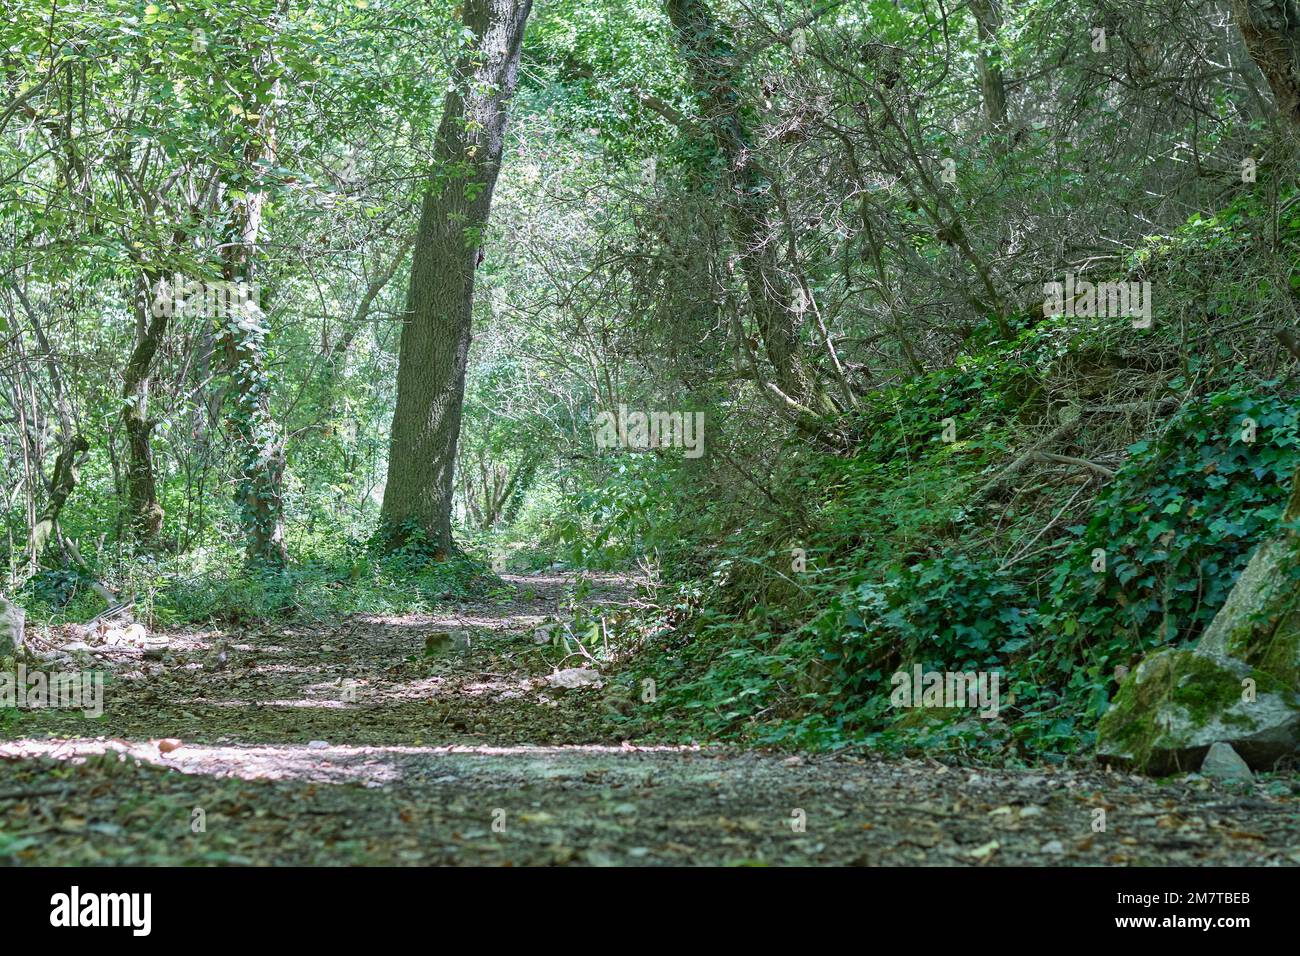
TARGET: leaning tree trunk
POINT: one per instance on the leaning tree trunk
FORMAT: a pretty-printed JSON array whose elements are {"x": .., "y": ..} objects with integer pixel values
[
  {"x": 1271, "y": 29},
  {"x": 711, "y": 65},
  {"x": 435, "y": 338},
  {"x": 72, "y": 445},
  {"x": 62, "y": 483}
]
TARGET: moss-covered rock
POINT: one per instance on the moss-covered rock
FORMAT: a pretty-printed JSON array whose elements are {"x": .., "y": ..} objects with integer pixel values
[
  {"x": 1258, "y": 623},
  {"x": 1178, "y": 703}
]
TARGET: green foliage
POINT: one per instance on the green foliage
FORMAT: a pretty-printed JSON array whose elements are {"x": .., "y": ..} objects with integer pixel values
[
  {"x": 53, "y": 589},
  {"x": 954, "y": 611},
  {"x": 893, "y": 579},
  {"x": 616, "y": 270}
]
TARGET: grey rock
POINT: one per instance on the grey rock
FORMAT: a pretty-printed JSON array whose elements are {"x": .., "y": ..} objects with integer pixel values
[
  {"x": 1261, "y": 584},
  {"x": 572, "y": 678},
  {"x": 12, "y": 619},
  {"x": 447, "y": 643},
  {"x": 1222, "y": 763}
]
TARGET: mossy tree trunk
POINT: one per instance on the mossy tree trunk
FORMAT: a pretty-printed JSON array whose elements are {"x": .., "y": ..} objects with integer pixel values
[
  {"x": 1271, "y": 30},
  {"x": 712, "y": 66},
  {"x": 145, "y": 513}
]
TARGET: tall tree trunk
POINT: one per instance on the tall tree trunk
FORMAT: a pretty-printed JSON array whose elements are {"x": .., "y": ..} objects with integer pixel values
[
  {"x": 1271, "y": 29},
  {"x": 259, "y": 484},
  {"x": 988, "y": 18},
  {"x": 435, "y": 338},
  {"x": 146, "y": 515},
  {"x": 711, "y": 63}
]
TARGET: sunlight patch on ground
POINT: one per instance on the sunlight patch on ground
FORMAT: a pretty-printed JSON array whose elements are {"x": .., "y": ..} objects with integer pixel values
[{"x": 369, "y": 766}]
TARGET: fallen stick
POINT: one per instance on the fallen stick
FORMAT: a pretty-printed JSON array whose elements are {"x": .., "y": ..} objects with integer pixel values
[
  {"x": 110, "y": 612},
  {"x": 1059, "y": 432},
  {"x": 1081, "y": 462},
  {"x": 1019, "y": 465}
]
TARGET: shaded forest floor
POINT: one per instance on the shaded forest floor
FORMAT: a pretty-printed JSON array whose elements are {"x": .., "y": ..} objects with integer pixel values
[{"x": 346, "y": 744}]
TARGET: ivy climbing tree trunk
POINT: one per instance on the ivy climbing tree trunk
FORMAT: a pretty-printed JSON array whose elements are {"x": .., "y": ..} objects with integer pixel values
[
  {"x": 258, "y": 491},
  {"x": 435, "y": 339},
  {"x": 242, "y": 340}
]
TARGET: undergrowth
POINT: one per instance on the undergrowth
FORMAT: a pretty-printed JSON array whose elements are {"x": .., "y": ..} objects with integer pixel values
[
  {"x": 214, "y": 585},
  {"x": 898, "y": 557}
]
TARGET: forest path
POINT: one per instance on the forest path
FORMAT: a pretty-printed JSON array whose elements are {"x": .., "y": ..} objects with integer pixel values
[{"x": 346, "y": 744}]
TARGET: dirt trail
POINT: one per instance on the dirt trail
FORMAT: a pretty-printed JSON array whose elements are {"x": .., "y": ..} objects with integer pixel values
[{"x": 347, "y": 745}]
